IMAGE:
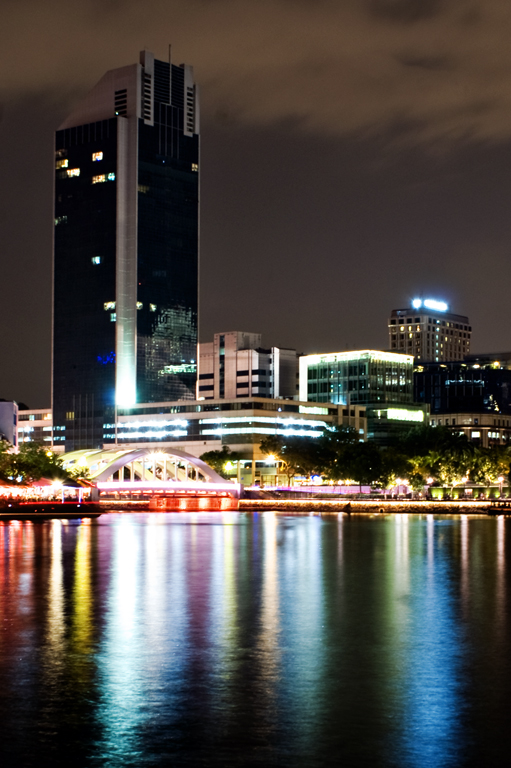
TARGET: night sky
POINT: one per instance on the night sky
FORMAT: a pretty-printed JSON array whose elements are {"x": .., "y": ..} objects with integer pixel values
[{"x": 355, "y": 153}]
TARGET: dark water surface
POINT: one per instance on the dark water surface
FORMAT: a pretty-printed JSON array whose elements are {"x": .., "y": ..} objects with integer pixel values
[{"x": 255, "y": 640}]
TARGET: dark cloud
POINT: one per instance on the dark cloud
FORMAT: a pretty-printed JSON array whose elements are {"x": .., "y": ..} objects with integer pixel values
[
  {"x": 442, "y": 63},
  {"x": 336, "y": 68},
  {"x": 405, "y": 11}
]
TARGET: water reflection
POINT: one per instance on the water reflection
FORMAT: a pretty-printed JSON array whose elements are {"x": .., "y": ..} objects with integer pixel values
[{"x": 232, "y": 639}]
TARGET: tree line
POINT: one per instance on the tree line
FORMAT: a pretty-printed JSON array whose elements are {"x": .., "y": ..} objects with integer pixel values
[{"x": 425, "y": 455}]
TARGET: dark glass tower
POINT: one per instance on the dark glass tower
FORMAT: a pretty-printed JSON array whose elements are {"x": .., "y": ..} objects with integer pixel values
[{"x": 125, "y": 248}]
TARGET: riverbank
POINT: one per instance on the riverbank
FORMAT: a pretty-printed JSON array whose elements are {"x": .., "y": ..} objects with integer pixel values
[{"x": 372, "y": 506}]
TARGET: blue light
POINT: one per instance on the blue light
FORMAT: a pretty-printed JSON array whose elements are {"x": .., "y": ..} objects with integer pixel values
[{"x": 105, "y": 359}]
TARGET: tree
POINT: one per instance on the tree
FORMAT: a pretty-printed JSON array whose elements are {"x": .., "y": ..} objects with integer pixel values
[
  {"x": 298, "y": 455},
  {"x": 333, "y": 450},
  {"x": 217, "y": 460},
  {"x": 366, "y": 464},
  {"x": 394, "y": 465},
  {"x": 488, "y": 464},
  {"x": 422, "y": 439},
  {"x": 32, "y": 462},
  {"x": 451, "y": 465}
]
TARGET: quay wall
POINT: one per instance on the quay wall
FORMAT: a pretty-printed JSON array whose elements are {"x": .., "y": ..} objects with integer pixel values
[{"x": 373, "y": 506}]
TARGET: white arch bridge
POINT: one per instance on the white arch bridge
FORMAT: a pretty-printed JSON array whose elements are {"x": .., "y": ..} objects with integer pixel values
[{"x": 164, "y": 479}]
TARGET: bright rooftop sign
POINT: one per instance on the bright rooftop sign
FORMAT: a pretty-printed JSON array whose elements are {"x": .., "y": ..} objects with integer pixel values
[{"x": 438, "y": 306}]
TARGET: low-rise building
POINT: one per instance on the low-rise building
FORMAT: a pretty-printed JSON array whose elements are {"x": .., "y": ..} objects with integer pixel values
[
  {"x": 35, "y": 425},
  {"x": 484, "y": 429}
]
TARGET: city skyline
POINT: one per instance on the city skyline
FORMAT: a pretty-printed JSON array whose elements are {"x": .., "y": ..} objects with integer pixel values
[{"x": 317, "y": 194}]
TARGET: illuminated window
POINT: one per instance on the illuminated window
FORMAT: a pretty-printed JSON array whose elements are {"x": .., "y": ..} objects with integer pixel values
[
  {"x": 96, "y": 259},
  {"x": 109, "y": 305},
  {"x": 99, "y": 179},
  {"x": 97, "y": 156},
  {"x": 195, "y": 167},
  {"x": 70, "y": 415},
  {"x": 113, "y": 317},
  {"x": 61, "y": 164},
  {"x": 73, "y": 171},
  {"x": 60, "y": 220},
  {"x": 111, "y": 177},
  {"x": 139, "y": 305},
  {"x": 143, "y": 189},
  {"x": 152, "y": 307}
]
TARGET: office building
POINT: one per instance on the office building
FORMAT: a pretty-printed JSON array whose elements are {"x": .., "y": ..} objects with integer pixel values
[
  {"x": 36, "y": 426},
  {"x": 480, "y": 383},
  {"x": 380, "y": 381},
  {"x": 125, "y": 248},
  {"x": 472, "y": 396},
  {"x": 429, "y": 332},
  {"x": 358, "y": 377},
  {"x": 235, "y": 365}
]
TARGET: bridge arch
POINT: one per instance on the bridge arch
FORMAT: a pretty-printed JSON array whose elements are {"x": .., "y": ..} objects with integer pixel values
[{"x": 148, "y": 470}]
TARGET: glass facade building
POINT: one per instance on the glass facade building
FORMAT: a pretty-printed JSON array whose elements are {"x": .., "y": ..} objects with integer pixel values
[
  {"x": 126, "y": 248},
  {"x": 362, "y": 377},
  {"x": 380, "y": 381},
  {"x": 479, "y": 384}
]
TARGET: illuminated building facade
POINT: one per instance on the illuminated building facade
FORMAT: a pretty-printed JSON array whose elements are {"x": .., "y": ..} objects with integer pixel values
[
  {"x": 36, "y": 426},
  {"x": 125, "y": 248},
  {"x": 230, "y": 421},
  {"x": 235, "y": 365},
  {"x": 429, "y": 332},
  {"x": 381, "y": 381},
  {"x": 358, "y": 377}
]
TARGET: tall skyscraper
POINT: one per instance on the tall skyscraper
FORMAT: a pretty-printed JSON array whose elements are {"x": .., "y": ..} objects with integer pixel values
[
  {"x": 125, "y": 248},
  {"x": 429, "y": 332}
]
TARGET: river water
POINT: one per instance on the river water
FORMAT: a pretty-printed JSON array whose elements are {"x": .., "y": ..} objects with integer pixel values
[{"x": 256, "y": 640}]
